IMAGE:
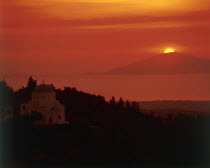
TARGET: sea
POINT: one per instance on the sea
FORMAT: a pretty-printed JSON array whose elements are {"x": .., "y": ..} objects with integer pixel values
[{"x": 184, "y": 87}]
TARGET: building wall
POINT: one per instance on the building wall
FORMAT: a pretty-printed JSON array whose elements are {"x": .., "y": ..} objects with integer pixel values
[
  {"x": 25, "y": 109},
  {"x": 43, "y": 99},
  {"x": 51, "y": 110}
]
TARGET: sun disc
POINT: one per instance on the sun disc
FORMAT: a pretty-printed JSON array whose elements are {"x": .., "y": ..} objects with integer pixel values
[{"x": 169, "y": 50}]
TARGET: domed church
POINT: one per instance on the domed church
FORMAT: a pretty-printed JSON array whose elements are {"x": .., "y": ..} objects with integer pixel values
[{"x": 44, "y": 103}]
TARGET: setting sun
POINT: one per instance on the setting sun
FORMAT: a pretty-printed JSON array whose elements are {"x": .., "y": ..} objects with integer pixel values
[{"x": 169, "y": 50}]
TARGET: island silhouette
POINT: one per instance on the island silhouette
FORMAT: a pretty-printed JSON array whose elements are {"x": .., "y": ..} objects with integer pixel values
[{"x": 166, "y": 63}]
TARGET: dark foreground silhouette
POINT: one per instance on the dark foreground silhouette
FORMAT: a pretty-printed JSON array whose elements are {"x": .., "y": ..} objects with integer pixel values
[{"x": 100, "y": 134}]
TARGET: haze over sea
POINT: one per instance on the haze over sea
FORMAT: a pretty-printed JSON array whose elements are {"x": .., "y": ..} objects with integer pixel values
[{"x": 133, "y": 87}]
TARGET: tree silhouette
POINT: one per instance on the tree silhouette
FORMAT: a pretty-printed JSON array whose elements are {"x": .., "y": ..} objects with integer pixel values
[
  {"x": 112, "y": 101},
  {"x": 121, "y": 103},
  {"x": 127, "y": 105},
  {"x": 31, "y": 83},
  {"x": 135, "y": 106},
  {"x": 6, "y": 97}
]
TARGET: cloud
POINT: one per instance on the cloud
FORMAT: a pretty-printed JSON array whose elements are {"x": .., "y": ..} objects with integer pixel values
[
  {"x": 80, "y": 9},
  {"x": 28, "y": 35},
  {"x": 29, "y": 14}
]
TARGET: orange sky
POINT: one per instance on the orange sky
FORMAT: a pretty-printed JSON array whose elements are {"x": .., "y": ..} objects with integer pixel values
[
  {"x": 90, "y": 34},
  {"x": 80, "y": 36}
]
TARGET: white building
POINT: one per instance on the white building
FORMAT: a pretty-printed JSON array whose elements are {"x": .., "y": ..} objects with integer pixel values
[{"x": 44, "y": 102}]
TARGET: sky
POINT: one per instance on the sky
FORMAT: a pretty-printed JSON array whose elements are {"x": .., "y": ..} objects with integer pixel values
[{"x": 70, "y": 37}]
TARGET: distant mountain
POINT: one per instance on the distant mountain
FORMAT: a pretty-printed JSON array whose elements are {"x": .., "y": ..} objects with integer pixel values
[
  {"x": 170, "y": 63},
  {"x": 193, "y": 107}
]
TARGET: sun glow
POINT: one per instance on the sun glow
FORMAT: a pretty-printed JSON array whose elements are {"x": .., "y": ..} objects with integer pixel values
[
  {"x": 86, "y": 9},
  {"x": 169, "y": 50}
]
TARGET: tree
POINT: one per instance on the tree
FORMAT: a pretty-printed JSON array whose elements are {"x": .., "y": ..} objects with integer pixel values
[
  {"x": 6, "y": 94},
  {"x": 6, "y": 97},
  {"x": 127, "y": 105},
  {"x": 135, "y": 107},
  {"x": 31, "y": 83},
  {"x": 112, "y": 101},
  {"x": 121, "y": 103},
  {"x": 53, "y": 86}
]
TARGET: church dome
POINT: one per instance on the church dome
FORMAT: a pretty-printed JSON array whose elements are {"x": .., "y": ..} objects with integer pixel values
[{"x": 44, "y": 88}]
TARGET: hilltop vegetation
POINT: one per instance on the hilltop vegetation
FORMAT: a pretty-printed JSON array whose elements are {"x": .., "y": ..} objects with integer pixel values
[
  {"x": 101, "y": 132},
  {"x": 80, "y": 107}
]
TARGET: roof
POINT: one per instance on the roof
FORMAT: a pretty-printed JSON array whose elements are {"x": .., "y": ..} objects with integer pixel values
[{"x": 44, "y": 88}]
